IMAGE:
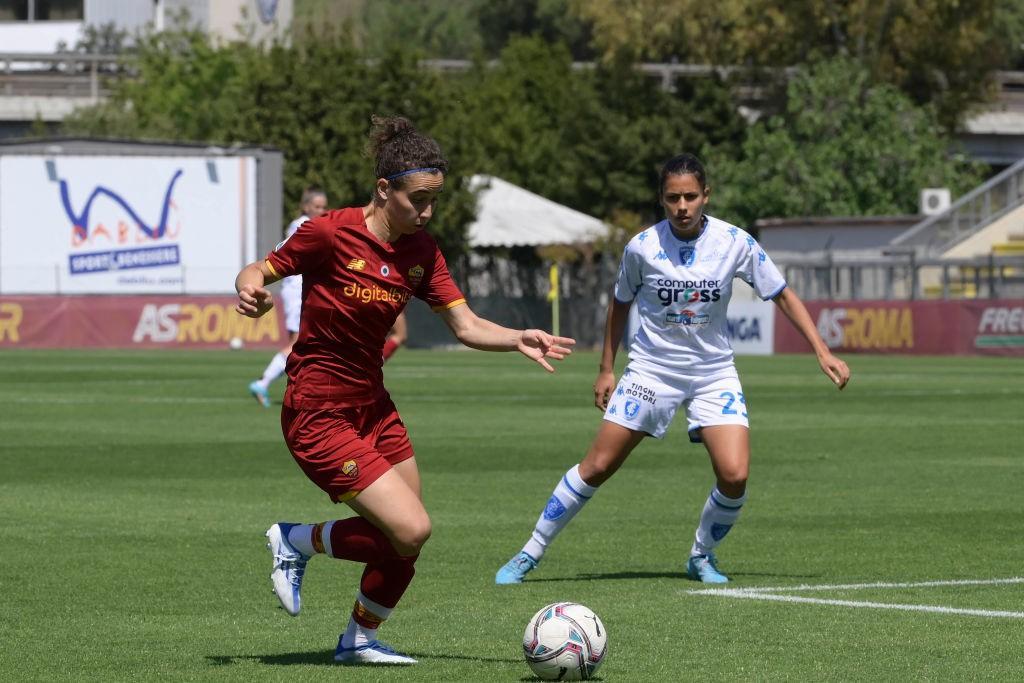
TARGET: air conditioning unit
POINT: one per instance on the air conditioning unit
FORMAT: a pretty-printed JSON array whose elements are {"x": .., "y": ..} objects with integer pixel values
[{"x": 934, "y": 200}]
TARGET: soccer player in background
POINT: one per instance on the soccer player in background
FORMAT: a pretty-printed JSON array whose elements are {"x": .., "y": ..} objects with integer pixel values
[
  {"x": 679, "y": 274},
  {"x": 361, "y": 265},
  {"x": 312, "y": 204}
]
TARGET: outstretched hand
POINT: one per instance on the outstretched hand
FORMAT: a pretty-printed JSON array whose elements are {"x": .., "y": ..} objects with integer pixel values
[
  {"x": 254, "y": 301},
  {"x": 836, "y": 369},
  {"x": 538, "y": 345}
]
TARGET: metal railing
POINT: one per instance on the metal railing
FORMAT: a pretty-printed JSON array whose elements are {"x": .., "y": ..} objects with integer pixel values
[
  {"x": 981, "y": 206},
  {"x": 905, "y": 277},
  {"x": 90, "y": 66},
  {"x": 57, "y": 74}
]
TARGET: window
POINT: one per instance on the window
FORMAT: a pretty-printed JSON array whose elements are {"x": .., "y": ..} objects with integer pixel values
[
  {"x": 59, "y": 10},
  {"x": 13, "y": 10},
  {"x": 42, "y": 10}
]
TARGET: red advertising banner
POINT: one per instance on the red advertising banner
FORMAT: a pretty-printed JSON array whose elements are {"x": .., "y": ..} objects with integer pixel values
[
  {"x": 132, "y": 322},
  {"x": 967, "y": 327}
]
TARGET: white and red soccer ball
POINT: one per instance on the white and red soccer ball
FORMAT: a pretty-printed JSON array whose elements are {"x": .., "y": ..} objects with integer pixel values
[{"x": 565, "y": 641}]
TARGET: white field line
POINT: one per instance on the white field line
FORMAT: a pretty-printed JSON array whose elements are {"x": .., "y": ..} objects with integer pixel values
[
  {"x": 862, "y": 586},
  {"x": 771, "y": 595}
]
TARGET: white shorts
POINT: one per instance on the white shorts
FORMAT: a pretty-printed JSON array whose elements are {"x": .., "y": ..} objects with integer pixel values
[
  {"x": 646, "y": 402},
  {"x": 291, "y": 299}
]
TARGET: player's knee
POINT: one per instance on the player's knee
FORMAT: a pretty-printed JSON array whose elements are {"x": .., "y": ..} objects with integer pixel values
[
  {"x": 412, "y": 536},
  {"x": 595, "y": 471},
  {"x": 733, "y": 482}
]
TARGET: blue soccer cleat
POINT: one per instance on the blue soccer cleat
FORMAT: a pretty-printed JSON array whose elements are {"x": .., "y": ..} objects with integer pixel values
[
  {"x": 703, "y": 568},
  {"x": 259, "y": 393},
  {"x": 289, "y": 567},
  {"x": 515, "y": 569},
  {"x": 371, "y": 653}
]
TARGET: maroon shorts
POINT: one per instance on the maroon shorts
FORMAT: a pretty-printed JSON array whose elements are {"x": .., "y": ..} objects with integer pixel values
[{"x": 344, "y": 450}]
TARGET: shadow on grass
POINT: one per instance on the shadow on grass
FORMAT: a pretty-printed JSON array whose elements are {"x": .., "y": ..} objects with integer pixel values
[
  {"x": 617, "y": 576},
  {"x": 326, "y": 658}
]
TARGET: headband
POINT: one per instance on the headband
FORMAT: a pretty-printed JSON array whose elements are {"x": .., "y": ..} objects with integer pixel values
[{"x": 429, "y": 169}]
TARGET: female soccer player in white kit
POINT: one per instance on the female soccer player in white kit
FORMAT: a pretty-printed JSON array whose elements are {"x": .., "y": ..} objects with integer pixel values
[
  {"x": 679, "y": 274},
  {"x": 312, "y": 205}
]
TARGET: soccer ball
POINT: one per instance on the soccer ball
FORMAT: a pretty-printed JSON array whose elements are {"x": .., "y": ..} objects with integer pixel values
[
  {"x": 236, "y": 343},
  {"x": 565, "y": 642}
]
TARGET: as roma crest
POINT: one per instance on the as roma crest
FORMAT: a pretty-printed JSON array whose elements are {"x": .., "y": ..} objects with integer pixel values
[{"x": 415, "y": 276}]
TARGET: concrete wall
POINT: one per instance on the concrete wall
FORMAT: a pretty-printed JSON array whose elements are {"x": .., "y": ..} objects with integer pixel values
[{"x": 801, "y": 235}]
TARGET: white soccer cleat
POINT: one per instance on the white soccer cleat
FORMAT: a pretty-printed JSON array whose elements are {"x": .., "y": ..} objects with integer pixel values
[
  {"x": 371, "y": 653},
  {"x": 289, "y": 567}
]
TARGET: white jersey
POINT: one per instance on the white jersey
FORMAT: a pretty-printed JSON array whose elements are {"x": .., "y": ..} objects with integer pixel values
[
  {"x": 682, "y": 289},
  {"x": 291, "y": 287}
]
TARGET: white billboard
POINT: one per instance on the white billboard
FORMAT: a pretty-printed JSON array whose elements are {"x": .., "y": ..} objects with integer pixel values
[
  {"x": 125, "y": 224},
  {"x": 751, "y": 327}
]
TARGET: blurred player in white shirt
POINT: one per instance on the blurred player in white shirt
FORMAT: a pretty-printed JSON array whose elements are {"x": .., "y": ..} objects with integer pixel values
[
  {"x": 312, "y": 205},
  {"x": 679, "y": 273}
]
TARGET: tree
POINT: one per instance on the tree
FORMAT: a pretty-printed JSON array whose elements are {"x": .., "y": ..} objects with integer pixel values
[
  {"x": 313, "y": 101},
  {"x": 936, "y": 51},
  {"x": 844, "y": 147}
]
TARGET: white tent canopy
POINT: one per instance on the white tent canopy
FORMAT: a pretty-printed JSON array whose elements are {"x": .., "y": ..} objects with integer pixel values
[{"x": 508, "y": 215}]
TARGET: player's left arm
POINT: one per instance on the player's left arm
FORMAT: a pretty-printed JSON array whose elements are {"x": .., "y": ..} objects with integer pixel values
[
  {"x": 479, "y": 333},
  {"x": 793, "y": 308}
]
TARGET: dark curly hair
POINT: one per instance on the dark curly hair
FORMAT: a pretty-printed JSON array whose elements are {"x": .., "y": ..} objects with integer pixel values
[{"x": 396, "y": 146}]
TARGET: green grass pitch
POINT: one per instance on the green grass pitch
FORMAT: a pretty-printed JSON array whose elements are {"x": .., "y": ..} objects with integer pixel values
[{"x": 135, "y": 488}]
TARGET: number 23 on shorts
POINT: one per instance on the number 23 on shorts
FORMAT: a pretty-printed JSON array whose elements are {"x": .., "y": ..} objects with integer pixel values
[{"x": 730, "y": 397}]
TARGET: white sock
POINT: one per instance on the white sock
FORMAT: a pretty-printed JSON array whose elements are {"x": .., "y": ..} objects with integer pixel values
[
  {"x": 719, "y": 514},
  {"x": 301, "y": 538},
  {"x": 274, "y": 370},
  {"x": 566, "y": 500},
  {"x": 357, "y": 635}
]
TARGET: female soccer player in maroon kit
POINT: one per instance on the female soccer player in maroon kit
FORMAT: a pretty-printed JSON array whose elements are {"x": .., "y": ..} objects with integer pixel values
[{"x": 360, "y": 266}]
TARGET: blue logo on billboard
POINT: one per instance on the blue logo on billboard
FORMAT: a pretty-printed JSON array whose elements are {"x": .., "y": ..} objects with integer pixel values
[
  {"x": 118, "y": 259},
  {"x": 554, "y": 509},
  {"x": 125, "y": 259},
  {"x": 630, "y": 409},
  {"x": 687, "y": 255}
]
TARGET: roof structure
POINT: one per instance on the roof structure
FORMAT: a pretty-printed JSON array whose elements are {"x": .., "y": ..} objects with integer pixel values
[{"x": 508, "y": 216}]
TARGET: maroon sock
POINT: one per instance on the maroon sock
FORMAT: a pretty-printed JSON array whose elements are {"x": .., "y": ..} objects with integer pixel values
[
  {"x": 385, "y": 582},
  {"x": 358, "y": 540}
]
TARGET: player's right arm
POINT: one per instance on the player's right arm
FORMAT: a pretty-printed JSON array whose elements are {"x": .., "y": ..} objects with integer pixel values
[
  {"x": 253, "y": 297},
  {"x": 614, "y": 326},
  {"x": 627, "y": 285},
  {"x": 304, "y": 251}
]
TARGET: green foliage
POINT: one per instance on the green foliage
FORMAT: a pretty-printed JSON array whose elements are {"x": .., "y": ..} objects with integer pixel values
[
  {"x": 313, "y": 101},
  {"x": 936, "y": 51},
  {"x": 844, "y": 147}
]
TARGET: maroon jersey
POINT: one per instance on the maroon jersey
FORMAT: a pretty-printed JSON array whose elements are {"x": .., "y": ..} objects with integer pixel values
[{"x": 353, "y": 288}]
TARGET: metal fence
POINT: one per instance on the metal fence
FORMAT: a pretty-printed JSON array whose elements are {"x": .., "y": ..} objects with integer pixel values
[{"x": 906, "y": 277}]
